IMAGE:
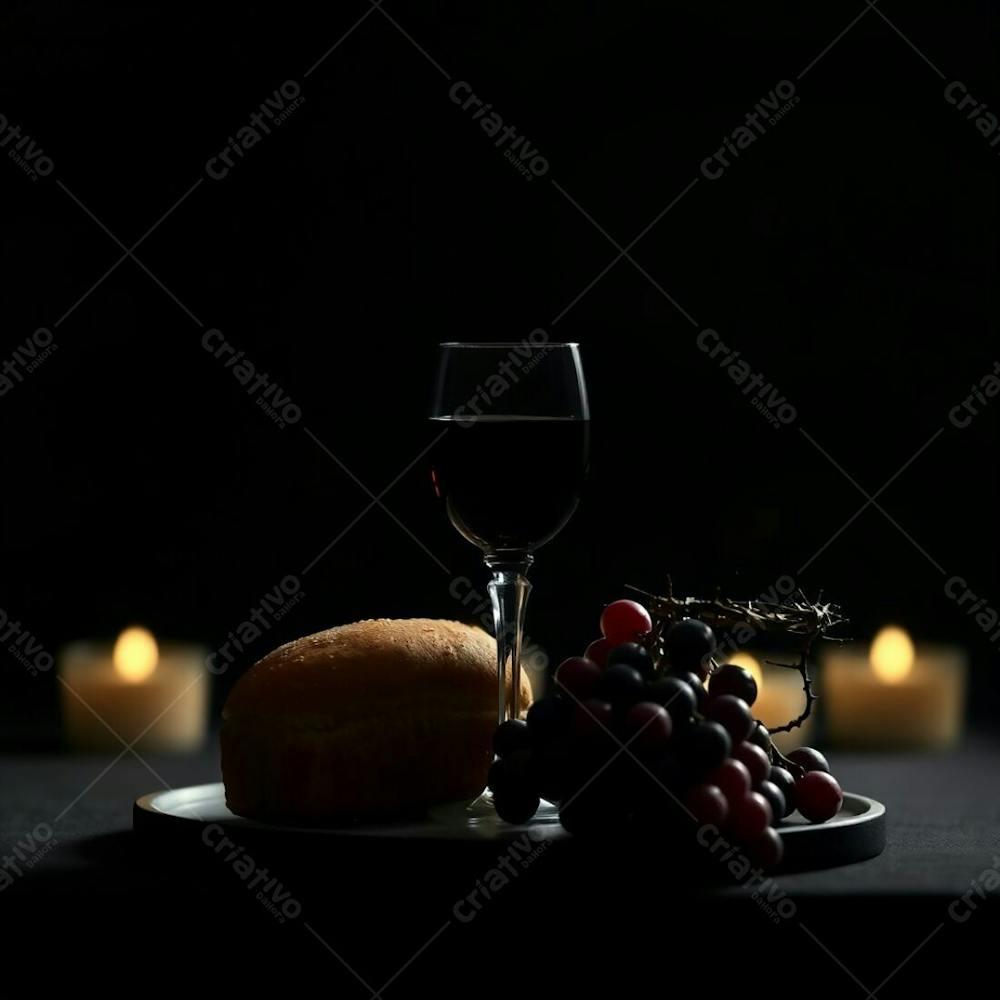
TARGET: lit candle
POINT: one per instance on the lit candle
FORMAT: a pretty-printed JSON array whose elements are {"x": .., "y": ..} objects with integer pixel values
[
  {"x": 155, "y": 699},
  {"x": 894, "y": 696},
  {"x": 780, "y": 699}
]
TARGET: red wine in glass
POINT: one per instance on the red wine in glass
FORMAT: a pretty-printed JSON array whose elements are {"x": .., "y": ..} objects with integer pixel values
[
  {"x": 509, "y": 465},
  {"x": 547, "y": 459}
]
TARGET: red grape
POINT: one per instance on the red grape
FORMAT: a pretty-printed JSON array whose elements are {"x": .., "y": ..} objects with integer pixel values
[
  {"x": 733, "y": 778},
  {"x": 598, "y": 652},
  {"x": 749, "y": 817},
  {"x": 650, "y": 725},
  {"x": 818, "y": 796},
  {"x": 733, "y": 714},
  {"x": 708, "y": 804},
  {"x": 756, "y": 761},
  {"x": 767, "y": 850},
  {"x": 577, "y": 676},
  {"x": 625, "y": 621}
]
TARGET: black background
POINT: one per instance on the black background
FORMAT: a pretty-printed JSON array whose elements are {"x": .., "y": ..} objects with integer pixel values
[{"x": 850, "y": 254}]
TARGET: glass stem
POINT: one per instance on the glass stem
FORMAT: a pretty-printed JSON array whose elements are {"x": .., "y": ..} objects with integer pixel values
[{"x": 509, "y": 589}]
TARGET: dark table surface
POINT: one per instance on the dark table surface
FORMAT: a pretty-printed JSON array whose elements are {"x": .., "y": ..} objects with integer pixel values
[
  {"x": 943, "y": 815},
  {"x": 858, "y": 922}
]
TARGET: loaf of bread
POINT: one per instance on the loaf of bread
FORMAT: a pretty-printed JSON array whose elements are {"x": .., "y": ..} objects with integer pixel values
[{"x": 376, "y": 719}]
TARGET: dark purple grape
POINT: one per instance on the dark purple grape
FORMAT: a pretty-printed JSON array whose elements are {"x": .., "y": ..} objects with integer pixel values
[
  {"x": 733, "y": 714},
  {"x": 512, "y": 773},
  {"x": 809, "y": 759},
  {"x": 761, "y": 737},
  {"x": 549, "y": 719},
  {"x": 676, "y": 696},
  {"x": 516, "y": 806},
  {"x": 621, "y": 685},
  {"x": 552, "y": 768},
  {"x": 785, "y": 783},
  {"x": 689, "y": 645},
  {"x": 775, "y": 799},
  {"x": 734, "y": 680},
  {"x": 703, "y": 746},
  {"x": 496, "y": 776},
  {"x": 700, "y": 692},
  {"x": 632, "y": 654},
  {"x": 510, "y": 736}
]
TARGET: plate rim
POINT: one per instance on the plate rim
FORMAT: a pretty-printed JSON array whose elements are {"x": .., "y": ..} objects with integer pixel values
[{"x": 147, "y": 805}]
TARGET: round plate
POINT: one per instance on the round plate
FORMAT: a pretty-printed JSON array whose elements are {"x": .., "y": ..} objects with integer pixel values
[
  {"x": 855, "y": 834},
  {"x": 201, "y": 804}
]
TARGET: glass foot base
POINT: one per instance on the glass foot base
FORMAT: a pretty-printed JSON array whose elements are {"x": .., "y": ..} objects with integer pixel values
[
  {"x": 482, "y": 807},
  {"x": 482, "y": 804}
]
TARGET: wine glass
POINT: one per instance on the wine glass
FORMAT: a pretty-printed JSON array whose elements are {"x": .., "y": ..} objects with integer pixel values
[{"x": 510, "y": 466}]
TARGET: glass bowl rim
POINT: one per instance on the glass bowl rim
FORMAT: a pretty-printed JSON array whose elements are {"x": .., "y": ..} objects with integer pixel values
[{"x": 506, "y": 343}]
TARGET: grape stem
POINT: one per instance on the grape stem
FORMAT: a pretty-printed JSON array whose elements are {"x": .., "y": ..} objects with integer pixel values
[
  {"x": 803, "y": 668},
  {"x": 780, "y": 760}
]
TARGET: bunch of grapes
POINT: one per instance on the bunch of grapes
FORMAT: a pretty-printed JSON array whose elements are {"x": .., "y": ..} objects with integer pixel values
[{"x": 659, "y": 737}]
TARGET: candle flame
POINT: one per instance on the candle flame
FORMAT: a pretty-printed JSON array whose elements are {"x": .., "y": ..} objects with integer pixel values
[
  {"x": 750, "y": 665},
  {"x": 135, "y": 655},
  {"x": 892, "y": 655}
]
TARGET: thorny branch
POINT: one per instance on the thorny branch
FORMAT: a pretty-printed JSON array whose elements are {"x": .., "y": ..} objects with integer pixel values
[{"x": 740, "y": 622}]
